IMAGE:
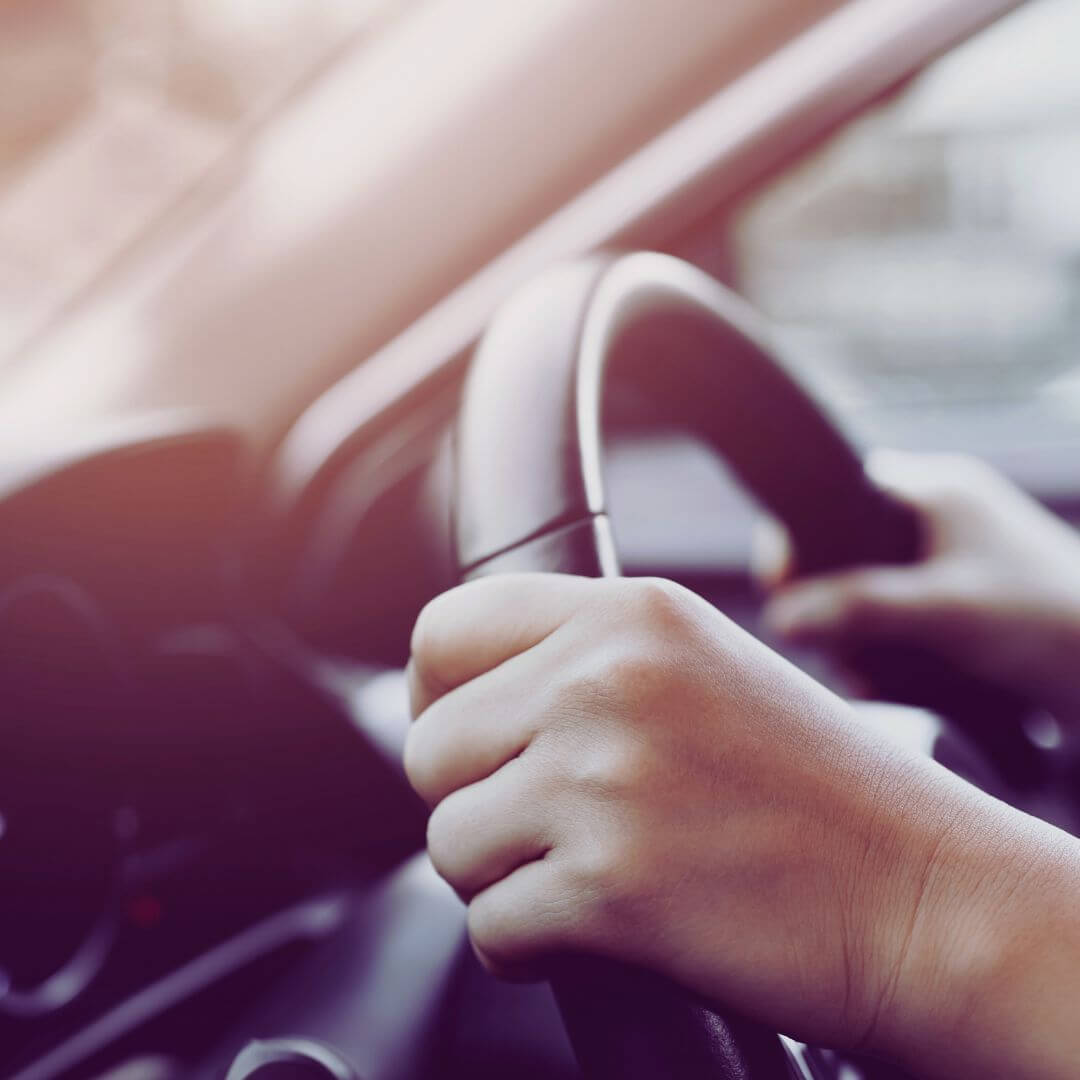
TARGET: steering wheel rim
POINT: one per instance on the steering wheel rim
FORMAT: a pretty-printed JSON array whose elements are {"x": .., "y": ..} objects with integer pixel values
[
  {"x": 530, "y": 496},
  {"x": 539, "y": 416}
]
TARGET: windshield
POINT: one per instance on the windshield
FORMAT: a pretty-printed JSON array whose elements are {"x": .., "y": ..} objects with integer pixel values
[
  {"x": 926, "y": 265},
  {"x": 111, "y": 110}
]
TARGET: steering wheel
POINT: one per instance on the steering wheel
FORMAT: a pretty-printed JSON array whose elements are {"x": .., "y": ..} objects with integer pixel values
[{"x": 530, "y": 496}]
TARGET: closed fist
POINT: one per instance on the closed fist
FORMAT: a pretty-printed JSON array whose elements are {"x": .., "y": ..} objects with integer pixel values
[{"x": 615, "y": 768}]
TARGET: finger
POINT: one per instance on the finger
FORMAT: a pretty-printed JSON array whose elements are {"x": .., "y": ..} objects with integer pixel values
[
  {"x": 481, "y": 833},
  {"x": 477, "y": 626},
  {"x": 477, "y": 727},
  {"x": 902, "y": 473},
  {"x": 919, "y": 478},
  {"x": 529, "y": 914},
  {"x": 931, "y": 482},
  {"x": 771, "y": 559},
  {"x": 872, "y": 602},
  {"x": 928, "y": 484},
  {"x": 958, "y": 497}
]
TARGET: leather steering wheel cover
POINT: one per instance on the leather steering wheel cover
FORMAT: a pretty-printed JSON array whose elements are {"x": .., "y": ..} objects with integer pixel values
[{"x": 533, "y": 409}]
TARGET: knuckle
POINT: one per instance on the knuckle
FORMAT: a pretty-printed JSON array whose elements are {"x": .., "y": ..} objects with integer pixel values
[
  {"x": 659, "y": 601},
  {"x": 630, "y": 765},
  {"x": 604, "y": 872},
  {"x": 632, "y": 673},
  {"x": 612, "y": 766},
  {"x": 598, "y": 868},
  {"x": 630, "y": 652},
  {"x": 633, "y": 667}
]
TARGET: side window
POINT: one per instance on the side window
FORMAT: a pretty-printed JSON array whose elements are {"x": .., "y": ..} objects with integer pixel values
[{"x": 925, "y": 266}]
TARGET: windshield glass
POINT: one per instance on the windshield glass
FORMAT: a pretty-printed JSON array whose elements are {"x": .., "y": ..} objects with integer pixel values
[
  {"x": 926, "y": 264},
  {"x": 111, "y": 110}
]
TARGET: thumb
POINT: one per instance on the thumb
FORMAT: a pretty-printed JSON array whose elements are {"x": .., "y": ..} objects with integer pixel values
[{"x": 869, "y": 602}]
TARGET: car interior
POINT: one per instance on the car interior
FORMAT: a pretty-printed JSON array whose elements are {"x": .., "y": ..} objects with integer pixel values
[{"x": 309, "y": 311}]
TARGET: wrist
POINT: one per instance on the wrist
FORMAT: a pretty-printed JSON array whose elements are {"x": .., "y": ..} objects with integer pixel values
[{"x": 988, "y": 980}]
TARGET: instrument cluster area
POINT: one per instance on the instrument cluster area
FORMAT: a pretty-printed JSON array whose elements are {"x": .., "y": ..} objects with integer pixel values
[{"x": 180, "y": 796}]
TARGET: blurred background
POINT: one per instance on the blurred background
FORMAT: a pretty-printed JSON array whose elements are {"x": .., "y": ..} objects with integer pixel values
[
  {"x": 110, "y": 110},
  {"x": 926, "y": 264}
]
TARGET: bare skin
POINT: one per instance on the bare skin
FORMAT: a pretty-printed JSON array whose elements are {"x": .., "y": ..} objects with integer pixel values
[
  {"x": 616, "y": 768},
  {"x": 999, "y": 590}
]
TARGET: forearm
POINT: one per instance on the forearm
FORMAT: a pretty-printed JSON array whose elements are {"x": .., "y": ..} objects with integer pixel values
[{"x": 994, "y": 958}]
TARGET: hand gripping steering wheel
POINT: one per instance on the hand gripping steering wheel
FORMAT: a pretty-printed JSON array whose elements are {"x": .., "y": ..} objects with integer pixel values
[{"x": 530, "y": 497}]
